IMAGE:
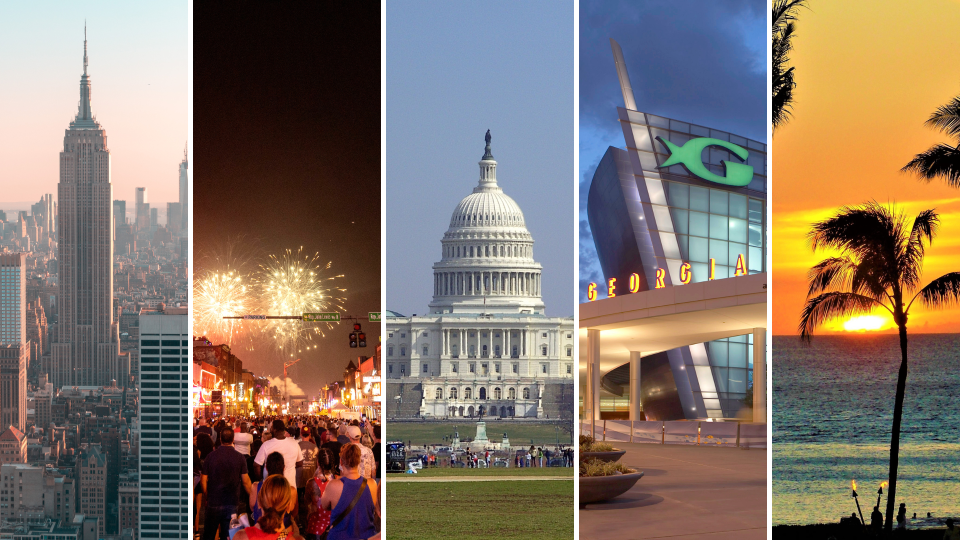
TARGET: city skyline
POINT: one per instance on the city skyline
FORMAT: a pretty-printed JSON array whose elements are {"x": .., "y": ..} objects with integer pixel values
[{"x": 139, "y": 73}]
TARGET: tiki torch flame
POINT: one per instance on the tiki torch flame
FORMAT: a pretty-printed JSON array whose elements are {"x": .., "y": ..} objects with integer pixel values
[
  {"x": 853, "y": 484},
  {"x": 884, "y": 484}
]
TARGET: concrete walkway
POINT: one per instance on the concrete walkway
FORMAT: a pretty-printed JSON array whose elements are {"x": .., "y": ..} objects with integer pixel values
[
  {"x": 413, "y": 478},
  {"x": 686, "y": 491}
]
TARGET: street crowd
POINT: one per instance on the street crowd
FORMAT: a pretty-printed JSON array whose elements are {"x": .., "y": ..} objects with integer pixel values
[
  {"x": 287, "y": 477},
  {"x": 532, "y": 457}
]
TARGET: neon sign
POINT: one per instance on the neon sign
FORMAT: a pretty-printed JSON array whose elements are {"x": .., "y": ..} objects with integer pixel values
[
  {"x": 686, "y": 277},
  {"x": 689, "y": 155}
]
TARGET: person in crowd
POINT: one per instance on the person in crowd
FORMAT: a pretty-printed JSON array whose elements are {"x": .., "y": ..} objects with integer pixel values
[
  {"x": 202, "y": 427},
  {"x": 243, "y": 439},
  {"x": 224, "y": 471},
  {"x": 368, "y": 465},
  {"x": 876, "y": 520},
  {"x": 377, "y": 446},
  {"x": 342, "y": 436},
  {"x": 306, "y": 468},
  {"x": 902, "y": 517},
  {"x": 277, "y": 499},
  {"x": 318, "y": 520},
  {"x": 952, "y": 533},
  {"x": 334, "y": 446},
  {"x": 352, "y": 500},
  {"x": 286, "y": 446}
]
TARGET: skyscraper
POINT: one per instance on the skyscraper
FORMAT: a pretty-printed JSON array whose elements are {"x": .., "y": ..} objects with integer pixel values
[
  {"x": 142, "y": 220},
  {"x": 88, "y": 346},
  {"x": 164, "y": 415},
  {"x": 14, "y": 350},
  {"x": 184, "y": 194}
]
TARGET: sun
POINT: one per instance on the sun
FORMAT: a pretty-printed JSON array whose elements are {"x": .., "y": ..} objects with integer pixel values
[{"x": 864, "y": 323}]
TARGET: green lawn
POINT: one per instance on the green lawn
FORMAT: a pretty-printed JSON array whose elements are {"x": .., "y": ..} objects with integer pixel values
[
  {"x": 505, "y": 511},
  {"x": 434, "y": 432},
  {"x": 512, "y": 471}
]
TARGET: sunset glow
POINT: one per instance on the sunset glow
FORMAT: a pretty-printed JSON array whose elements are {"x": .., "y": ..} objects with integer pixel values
[{"x": 864, "y": 323}]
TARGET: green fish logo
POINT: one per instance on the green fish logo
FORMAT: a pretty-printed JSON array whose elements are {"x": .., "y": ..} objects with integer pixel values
[{"x": 737, "y": 174}]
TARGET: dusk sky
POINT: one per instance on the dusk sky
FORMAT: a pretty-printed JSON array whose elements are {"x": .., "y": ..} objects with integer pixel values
[
  {"x": 287, "y": 131},
  {"x": 700, "y": 62},
  {"x": 138, "y": 69},
  {"x": 455, "y": 70},
  {"x": 868, "y": 75}
]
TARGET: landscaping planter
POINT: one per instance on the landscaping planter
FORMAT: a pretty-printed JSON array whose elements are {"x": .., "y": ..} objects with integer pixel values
[
  {"x": 601, "y": 488},
  {"x": 613, "y": 455}
]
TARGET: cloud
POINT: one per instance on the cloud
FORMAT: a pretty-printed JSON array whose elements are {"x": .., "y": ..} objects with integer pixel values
[{"x": 292, "y": 388}]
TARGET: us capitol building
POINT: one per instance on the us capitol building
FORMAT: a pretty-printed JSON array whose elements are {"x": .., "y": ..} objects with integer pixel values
[{"x": 486, "y": 348}]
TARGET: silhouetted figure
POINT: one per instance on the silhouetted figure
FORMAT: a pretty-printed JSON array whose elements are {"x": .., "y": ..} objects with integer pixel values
[
  {"x": 876, "y": 520},
  {"x": 902, "y": 517},
  {"x": 952, "y": 533}
]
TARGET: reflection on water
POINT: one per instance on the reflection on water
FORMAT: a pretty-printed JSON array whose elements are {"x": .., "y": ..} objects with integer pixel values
[{"x": 832, "y": 412}]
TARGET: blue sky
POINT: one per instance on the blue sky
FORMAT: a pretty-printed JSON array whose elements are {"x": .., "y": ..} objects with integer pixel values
[
  {"x": 702, "y": 62},
  {"x": 453, "y": 71}
]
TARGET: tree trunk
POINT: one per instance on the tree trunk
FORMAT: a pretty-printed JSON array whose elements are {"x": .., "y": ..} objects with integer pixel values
[{"x": 895, "y": 432}]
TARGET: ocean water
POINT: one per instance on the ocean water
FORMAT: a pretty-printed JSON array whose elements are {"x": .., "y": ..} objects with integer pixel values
[{"x": 832, "y": 406}]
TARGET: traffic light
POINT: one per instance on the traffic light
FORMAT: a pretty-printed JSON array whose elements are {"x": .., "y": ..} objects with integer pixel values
[{"x": 357, "y": 338}]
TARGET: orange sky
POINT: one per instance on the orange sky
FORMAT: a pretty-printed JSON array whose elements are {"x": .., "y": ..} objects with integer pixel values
[{"x": 868, "y": 74}]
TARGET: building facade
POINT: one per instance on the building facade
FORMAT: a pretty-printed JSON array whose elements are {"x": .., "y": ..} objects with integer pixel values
[
  {"x": 13, "y": 446},
  {"x": 165, "y": 435},
  {"x": 682, "y": 204},
  {"x": 87, "y": 344},
  {"x": 486, "y": 348},
  {"x": 184, "y": 196},
  {"x": 92, "y": 479}
]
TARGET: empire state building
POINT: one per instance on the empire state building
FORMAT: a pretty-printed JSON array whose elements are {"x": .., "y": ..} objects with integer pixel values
[{"x": 87, "y": 347}]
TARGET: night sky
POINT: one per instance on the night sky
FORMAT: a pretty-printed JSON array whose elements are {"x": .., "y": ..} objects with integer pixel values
[{"x": 287, "y": 152}]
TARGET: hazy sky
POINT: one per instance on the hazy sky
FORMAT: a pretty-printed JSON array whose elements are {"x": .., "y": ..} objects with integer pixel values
[
  {"x": 138, "y": 69},
  {"x": 700, "y": 62},
  {"x": 455, "y": 70},
  {"x": 868, "y": 75}
]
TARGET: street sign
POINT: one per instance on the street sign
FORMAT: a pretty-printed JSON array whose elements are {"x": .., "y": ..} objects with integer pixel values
[
  {"x": 321, "y": 317},
  {"x": 374, "y": 317},
  {"x": 254, "y": 317}
]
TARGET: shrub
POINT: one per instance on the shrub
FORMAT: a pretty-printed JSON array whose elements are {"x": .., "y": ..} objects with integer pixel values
[{"x": 595, "y": 467}]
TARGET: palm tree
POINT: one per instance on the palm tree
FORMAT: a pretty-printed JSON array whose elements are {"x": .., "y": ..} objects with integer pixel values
[
  {"x": 784, "y": 15},
  {"x": 941, "y": 160},
  {"x": 879, "y": 266}
]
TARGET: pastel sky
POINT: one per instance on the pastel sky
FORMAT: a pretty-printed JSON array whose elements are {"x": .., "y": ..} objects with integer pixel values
[
  {"x": 138, "y": 65},
  {"x": 868, "y": 74}
]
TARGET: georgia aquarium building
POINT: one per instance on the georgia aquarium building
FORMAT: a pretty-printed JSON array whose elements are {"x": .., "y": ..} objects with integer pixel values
[{"x": 679, "y": 222}]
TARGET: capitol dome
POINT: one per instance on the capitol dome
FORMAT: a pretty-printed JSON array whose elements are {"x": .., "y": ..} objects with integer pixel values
[{"x": 487, "y": 253}]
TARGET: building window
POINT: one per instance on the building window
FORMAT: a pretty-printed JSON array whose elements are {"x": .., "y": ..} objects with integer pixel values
[
  {"x": 389, "y": 368},
  {"x": 526, "y": 393},
  {"x": 496, "y": 393},
  {"x": 466, "y": 393},
  {"x": 543, "y": 368},
  {"x": 569, "y": 335},
  {"x": 453, "y": 393},
  {"x": 569, "y": 367},
  {"x": 454, "y": 366},
  {"x": 426, "y": 350},
  {"x": 544, "y": 334},
  {"x": 403, "y": 334},
  {"x": 439, "y": 393},
  {"x": 473, "y": 367},
  {"x": 496, "y": 351},
  {"x": 425, "y": 367},
  {"x": 512, "y": 393},
  {"x": 496, "y": 368},
  {"x": 390, "y": 334},
  {"x": 425, "y": 334},
  {"x": 516, "y": 367},
  {"x": 543, "y": 350},
  {"x": 569, "y": 352},
  {"x": 389, "y": 351},
  {"x": 403, "y": 351}
]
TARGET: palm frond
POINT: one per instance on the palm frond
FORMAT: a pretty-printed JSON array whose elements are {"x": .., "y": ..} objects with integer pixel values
[
  {"x": 830, "y": 274},
  {"x": 925, "y": 227},
  {"x": 832, "y": 305},
  {"x": 941, "y": 292},
  {"x": 947, "y": 118},
  {"x": 782, "y": 76},
  {"x": 940, "y": 161}
]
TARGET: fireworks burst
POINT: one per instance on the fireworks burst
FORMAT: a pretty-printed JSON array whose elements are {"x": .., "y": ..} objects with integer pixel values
[
  {"x": 294, "y": 283},
  {"x": 218, "y": 295}
]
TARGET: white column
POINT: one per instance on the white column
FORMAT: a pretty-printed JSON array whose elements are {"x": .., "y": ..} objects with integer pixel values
[
  {"x": 591, "y": 405},
  {"x": 759, "y": 375},
  {"x": 635, "y": 404}
]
